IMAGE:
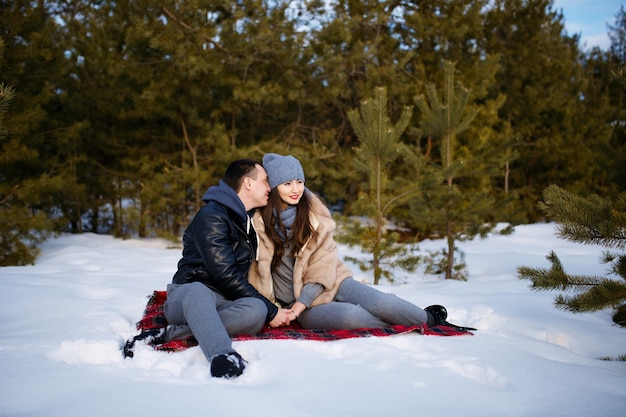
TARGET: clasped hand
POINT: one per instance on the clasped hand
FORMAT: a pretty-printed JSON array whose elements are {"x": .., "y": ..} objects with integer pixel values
[{"x": 284, "y": 317}]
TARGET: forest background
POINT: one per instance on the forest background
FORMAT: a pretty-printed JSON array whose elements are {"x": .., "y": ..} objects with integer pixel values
[{"x": 115, "y": 117}]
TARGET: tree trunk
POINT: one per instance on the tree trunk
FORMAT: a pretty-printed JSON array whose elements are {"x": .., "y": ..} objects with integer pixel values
[{"x": 450, "y": 239}]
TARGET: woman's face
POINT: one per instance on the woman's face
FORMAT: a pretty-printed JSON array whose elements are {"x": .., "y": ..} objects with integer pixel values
[{"x": 290, "y": 192}]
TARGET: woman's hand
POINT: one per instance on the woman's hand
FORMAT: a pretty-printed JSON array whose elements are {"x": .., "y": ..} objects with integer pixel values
[{"x": 298, "y": 308}]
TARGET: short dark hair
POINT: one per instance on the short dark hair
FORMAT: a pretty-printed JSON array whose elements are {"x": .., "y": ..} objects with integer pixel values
[{"x": 238, "y": 170}]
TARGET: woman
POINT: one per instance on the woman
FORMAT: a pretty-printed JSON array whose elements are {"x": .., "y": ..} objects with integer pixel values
[{"x": 299, "y": 267}]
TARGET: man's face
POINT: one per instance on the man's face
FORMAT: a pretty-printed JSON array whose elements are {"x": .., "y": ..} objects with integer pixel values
[{"x": 260, "y": 188}]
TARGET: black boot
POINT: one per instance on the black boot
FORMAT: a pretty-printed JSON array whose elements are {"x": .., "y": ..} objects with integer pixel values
[
  {"x": 227, "y": 365},
  {"x": 437, "y": 316}
]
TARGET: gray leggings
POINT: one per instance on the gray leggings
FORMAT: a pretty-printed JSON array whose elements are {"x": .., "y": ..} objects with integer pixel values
[
  {"x": 194, "y": 309},
  {"x": 358, "y": 305}
]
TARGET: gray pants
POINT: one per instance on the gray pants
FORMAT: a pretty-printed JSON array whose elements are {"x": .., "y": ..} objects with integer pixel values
[
  {"x": 194, "y": 309},
  {"x": 359, "y": 305}
]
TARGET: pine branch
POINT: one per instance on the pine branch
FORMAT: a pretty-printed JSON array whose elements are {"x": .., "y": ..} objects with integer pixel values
[
  {"x": 591, "y": 220},
  {"x": 8, "y": 196},
  {"x": 188, "y": 28},
  {"x": 7, "y": 94},
  {"x": 555, "y": 278},
  {"x": 609, "y": 293}
]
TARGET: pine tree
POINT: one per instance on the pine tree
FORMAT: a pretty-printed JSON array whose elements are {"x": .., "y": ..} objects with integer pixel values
[
  {"x": 219, "y": 80},
  {"x": 31, "y": 177},
  {"x": 615, "y": 152},
  {"x": 617, "y": 34},
  {"x": 592, "y": 220},
  {"x": 20, "y": 230},
  {"x": 459, "y": 207},
  {"x": 542, "y": 80},
  {"x": 379, "y": 147}
]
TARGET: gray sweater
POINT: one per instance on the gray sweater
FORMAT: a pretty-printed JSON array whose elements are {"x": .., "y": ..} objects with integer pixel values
[{"x": 282, "y": 278}]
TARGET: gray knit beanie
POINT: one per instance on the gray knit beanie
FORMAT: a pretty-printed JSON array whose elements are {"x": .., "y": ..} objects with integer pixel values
[{"x": 281, "y": 169}]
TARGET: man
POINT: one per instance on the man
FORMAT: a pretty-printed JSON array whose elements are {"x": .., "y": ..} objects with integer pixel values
[{"x": 210, "y": 296}]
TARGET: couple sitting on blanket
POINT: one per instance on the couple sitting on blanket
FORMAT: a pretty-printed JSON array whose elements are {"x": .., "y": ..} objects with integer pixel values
[{"x": 243, "y": 268}]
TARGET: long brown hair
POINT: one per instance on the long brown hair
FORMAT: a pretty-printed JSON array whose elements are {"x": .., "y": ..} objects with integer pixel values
[{"x": 301, "y": 229}]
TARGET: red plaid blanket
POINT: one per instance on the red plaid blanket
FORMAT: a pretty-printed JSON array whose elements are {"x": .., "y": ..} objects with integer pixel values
[{"x": 154, "y": 318}]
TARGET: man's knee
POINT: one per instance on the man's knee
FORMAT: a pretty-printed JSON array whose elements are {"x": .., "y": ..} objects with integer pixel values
[
  {"x": 197, "y": 294},
  {"x": 254, "y": 314},
  {"x": 185, "y": 298},
  {"x": 257, "y": 308}
]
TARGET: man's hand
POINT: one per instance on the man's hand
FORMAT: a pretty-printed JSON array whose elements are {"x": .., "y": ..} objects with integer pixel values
[{"x": 283, "y": 318}]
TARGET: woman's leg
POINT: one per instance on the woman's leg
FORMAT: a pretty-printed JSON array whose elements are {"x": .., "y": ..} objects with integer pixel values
[
  {"x": 337, "y": 315},
  {"x": 387, "y": 307}
]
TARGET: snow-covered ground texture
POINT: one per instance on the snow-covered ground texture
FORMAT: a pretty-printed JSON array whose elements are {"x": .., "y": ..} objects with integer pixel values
[{"x": 64, "y": 319}]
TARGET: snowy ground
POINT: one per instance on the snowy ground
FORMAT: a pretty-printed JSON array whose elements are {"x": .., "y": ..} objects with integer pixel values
[{"x": 64, "y": 319}]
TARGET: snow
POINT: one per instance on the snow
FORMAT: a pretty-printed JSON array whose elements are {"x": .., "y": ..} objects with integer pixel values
[{"x": 65, "y": 318}]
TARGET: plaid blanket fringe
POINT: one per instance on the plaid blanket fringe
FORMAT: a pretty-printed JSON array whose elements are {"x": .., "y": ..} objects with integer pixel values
[{"x": 154, "y": 318}]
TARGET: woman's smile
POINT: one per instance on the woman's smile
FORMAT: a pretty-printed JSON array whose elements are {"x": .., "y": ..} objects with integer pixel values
[{"x": 295, "y": 198}]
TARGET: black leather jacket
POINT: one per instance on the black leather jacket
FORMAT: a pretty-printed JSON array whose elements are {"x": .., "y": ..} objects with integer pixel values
[{"x": 218, "y": 248}]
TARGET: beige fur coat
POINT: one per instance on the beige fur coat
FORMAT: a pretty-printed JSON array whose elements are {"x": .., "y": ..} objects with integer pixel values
[{"x": 317, "y": 262}]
